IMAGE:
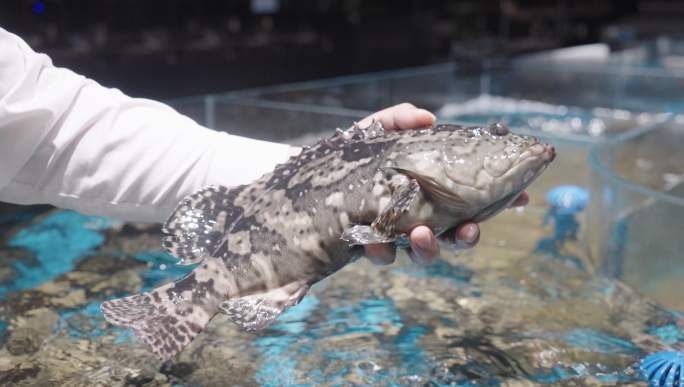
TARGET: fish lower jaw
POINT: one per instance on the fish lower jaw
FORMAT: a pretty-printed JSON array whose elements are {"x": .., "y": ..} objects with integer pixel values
[
  {"x": 545, "y": 151},
  {"x": 551, "y": 150}
]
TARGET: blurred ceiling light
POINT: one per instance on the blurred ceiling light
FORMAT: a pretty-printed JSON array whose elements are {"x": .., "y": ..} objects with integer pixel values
[{"x": 261, "y": 7}]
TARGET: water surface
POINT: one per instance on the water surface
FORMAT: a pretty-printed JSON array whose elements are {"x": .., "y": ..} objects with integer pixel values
[{"x": 498, "y": 315}]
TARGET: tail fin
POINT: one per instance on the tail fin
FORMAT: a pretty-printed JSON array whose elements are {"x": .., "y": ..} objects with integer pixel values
[{"x": 167, "y": 318}]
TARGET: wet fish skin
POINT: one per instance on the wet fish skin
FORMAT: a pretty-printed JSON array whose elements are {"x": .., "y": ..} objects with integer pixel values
[{"x": 262, "y": 246}]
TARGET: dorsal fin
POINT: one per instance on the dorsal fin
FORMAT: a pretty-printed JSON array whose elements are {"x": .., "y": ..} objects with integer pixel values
[
  {"x": 339, "y": 140},
  {"x": 375, "y": 129},
  {"x": 322, "y": 148},
  {"x": 338, "y": 133},
  {"x": 355, "y": 132}
]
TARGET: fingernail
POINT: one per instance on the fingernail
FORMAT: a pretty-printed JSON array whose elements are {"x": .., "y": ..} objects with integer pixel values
[
  {"x": 470, "y": 234},
  {"x": 424, "y": 241},
  {"x": 424, "y": 244}
]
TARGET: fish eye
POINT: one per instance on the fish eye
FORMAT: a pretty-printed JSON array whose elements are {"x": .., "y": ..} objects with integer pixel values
[{"x": 498, "y": 129}]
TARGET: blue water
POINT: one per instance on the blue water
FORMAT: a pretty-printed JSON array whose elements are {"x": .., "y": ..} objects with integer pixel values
[
  {"x": 317, "y": 330},
  {"x": 56, "y": 242},
  {"x": 596, "y": 341},
  {"x": 670, "y": 334},
  {"x": 162, "y": 268},
  {"x": 284, "y": 356},
  {"x": 60, "y": 239}
]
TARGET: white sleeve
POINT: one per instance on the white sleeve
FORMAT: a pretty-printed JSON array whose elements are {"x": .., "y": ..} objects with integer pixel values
[{"x": 67, "y": 141}]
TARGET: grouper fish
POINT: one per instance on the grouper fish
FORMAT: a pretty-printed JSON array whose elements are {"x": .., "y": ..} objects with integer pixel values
[{"x": 261, "y": 246}]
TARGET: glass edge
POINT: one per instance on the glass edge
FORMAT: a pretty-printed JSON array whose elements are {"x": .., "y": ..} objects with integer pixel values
[
  {"x": 186, "y": 100},
  {"x": 586, "y": 68},
  {"x": 291, "y": 106},
  {"x": 596, "y": 165},
  {"x": 318, "y": 83},
  {"x": 605, "y": 68},
  {"x": 346, "y": 79},
  {"x": 548, "y": 66},
  {"x": 338, "y": 111}
]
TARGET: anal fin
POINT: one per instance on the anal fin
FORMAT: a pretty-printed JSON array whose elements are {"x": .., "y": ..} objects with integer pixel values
[{"x": 257, "y": 311}]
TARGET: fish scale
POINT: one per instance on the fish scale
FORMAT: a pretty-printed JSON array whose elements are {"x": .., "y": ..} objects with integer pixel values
[{"x": 261, "y": 246}]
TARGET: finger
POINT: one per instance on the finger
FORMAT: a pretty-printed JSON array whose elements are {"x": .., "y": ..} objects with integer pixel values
[
  {"x": 468, "y": 234},
  {"x": 464, "y": 236},
  {"x": 405, "y": 118},
  {"x": 386, "y": 116},
  {"x": 402, "y": 116},
  {"x": 380, "y": 253},
  {"x": 425, "y": 248},
  {"x": 522, "y": 200}
]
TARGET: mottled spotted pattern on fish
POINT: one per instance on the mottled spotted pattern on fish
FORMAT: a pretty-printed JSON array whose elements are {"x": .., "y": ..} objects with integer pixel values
[{"x": 262, "y": 246}]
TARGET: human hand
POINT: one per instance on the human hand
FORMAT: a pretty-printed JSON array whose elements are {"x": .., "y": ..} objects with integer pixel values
[{"x": 424, "y": 246}]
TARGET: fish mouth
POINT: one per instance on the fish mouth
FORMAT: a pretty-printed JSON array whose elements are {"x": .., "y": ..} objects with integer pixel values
[{"x": 546, "y": 151}]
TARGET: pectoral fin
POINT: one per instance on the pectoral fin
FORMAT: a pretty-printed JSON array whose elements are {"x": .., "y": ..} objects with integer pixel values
[
  {"x": 443, "y": 195},
  {"x": 382, "y": 228},
  {"x": 365, "y": 235}
]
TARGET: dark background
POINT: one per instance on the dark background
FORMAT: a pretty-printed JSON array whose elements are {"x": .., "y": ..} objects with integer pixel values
[{"x": 172, "y": 48}]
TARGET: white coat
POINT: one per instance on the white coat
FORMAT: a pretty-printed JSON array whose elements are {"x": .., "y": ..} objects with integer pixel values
[{"x": 65, "y": 140}]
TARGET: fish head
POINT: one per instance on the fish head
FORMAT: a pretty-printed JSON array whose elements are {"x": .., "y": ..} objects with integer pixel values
[
  {"x": 479, "y": 167},
  {"x": 493, "y": 157}
]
